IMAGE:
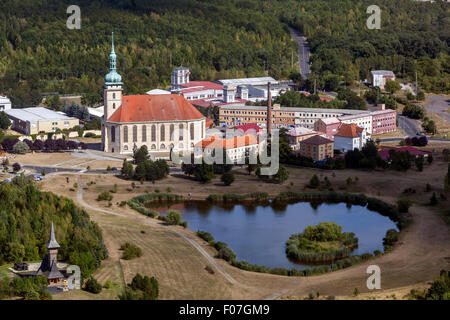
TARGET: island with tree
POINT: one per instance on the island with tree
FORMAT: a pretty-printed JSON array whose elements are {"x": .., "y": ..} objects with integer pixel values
[{"x": 323, "y": 243}]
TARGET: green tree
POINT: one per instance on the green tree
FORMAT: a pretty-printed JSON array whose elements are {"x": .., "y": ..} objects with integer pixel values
[
  {"x": 140, "y": 155},
  {"x": 282, "y": 175},
  {"x": 419, "y": 161},
  {"x": 314, "y": 182},
  {"x": 92, "y": 286},
  {"x": 5, "y": 123},
  {"x": 433, "y": 199},
  {"x": 127, "y": 169},
  {"x": 53, "y": 102},
  {"x": 227, "y": 178},
  {"x": 141, "y": 288},
  {"x": 392, "y": 86},
  {"x": 173, "y": 217}
]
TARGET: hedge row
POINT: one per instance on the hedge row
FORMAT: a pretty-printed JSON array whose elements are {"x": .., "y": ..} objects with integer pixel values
[{"x": 259, "y": 196}]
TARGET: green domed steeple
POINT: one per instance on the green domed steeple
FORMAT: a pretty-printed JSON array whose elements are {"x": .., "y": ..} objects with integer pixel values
[{"x": 113, "y": 78}]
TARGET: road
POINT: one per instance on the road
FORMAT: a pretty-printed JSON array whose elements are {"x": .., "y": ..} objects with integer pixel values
[
  {"x": 439, "y": 105},
  {"x": 303, "y": 53},
  {"x": 410, "y": 127}
]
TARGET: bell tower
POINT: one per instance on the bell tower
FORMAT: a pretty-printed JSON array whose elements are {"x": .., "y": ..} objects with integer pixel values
[{"x": 112, "y": 94}]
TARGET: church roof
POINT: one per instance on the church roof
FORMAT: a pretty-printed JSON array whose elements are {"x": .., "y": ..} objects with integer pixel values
[
  {"x": 52, "y": 243},
  {"x": 160, "y": 107}
]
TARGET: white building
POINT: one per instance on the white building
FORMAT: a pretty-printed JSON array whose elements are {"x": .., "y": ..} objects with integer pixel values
[
  {"x": 235, "y": 148},
  {"x": 307, "y": 117},
  {"x": 379, "y": 77},
  {"x": 349, "y": 137},
  {"x": 363, "y": 120},
  {"x": 5, "y": 103},
  {"x": 180, "y": 76},
  {"x": 157, "y": 91}
]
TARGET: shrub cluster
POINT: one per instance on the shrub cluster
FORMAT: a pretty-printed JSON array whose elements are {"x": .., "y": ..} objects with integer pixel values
[
  {"x": 130, "y": 251},
  {"x": 308, "y": 246},
  {"x": 141, "y": 288}
]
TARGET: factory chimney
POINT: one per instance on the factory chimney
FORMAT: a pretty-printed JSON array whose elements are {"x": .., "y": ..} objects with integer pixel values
[{"x": 269, "y": 110}]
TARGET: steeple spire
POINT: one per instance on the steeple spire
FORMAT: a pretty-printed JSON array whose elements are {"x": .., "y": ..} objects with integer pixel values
[
  {"x": 113, "y": 78},
  {"x": 52, "y": 243},
  {"x": 112, "y": 47}
]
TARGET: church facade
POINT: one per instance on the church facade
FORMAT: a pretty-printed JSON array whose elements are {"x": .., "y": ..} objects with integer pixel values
[{"x": 162, "y": 122}]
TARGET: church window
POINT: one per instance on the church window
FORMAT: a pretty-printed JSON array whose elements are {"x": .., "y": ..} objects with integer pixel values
[
  {"x": 163, "y": 146},
  {"x": 163, "y": 133},
  {"x": 180, "y": 133},
  {"x": 125, "y": 148},
  {"x": 153, "y": 133},
  {"x": 192, "y": 131},
  {"x": 144, "y": 133},
  {"x": 113, "y": 134},
  {"x": 153, "y": 146},
  {"x": 114, "y": 95},
  {"x": 134, "y": 133},
  {"x": 172, "y": 131},
  {"x": 125, "y": 134}
]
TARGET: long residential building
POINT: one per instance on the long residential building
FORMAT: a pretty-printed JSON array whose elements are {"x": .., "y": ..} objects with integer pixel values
[
  {"x": 286, "y": 117},
  {"x": 282, "y": 117}
]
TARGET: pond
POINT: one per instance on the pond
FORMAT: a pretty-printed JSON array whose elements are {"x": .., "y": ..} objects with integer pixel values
[{"x": 258, "y": 233}]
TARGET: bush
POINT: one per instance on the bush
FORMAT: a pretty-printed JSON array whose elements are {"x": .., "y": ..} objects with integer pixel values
[
  {"x": 108, "y": 284},
  {"x": 104, "y": 196},
  {"x": 173, "y": 217},
  {"x": 227, "y": 178},
  {"x": 390, "y": 239},
  {"x": 130, "y": 251},
  {"x": 403, "y": 205},
  {"x": 92, "y": 286},
  {"x": 311, "y": 246},
  {"x": 16, "y": 167},
  {"x": 433, "y": 199},
  {"x": 206, "y": 236},
  {"x": 225, "y": 252},
  {"x": 21, "y": 148},
  {"x": 141, "y": 288},
  {"x": 314, "y": 182}
]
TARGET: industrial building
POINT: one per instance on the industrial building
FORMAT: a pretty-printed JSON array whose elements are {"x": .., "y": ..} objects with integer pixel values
[{"x": 39, "y": 120}]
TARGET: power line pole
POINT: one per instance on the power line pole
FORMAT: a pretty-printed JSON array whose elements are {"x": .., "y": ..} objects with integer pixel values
[{"x": 416, "y": 85}]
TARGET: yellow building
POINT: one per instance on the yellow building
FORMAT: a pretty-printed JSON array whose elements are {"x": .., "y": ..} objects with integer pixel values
[{"x": 317, "y": 147}]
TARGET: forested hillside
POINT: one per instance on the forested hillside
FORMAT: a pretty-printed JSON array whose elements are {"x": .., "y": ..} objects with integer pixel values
[
  {"x": 25, "y": 219},
  {"x": 414, "y": 36},
  {"x": 216, "y": 39}
]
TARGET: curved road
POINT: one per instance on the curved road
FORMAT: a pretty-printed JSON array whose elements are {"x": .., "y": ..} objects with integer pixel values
[{"x": 303, "y": 53}]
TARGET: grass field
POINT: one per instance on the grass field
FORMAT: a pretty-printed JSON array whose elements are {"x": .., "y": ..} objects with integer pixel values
[{"x": 180, "y": 268}]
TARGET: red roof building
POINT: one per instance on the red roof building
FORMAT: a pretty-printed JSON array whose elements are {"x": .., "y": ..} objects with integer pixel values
[
  {"x": 385, "y": 155},
  {"x": 164, "y": 107},
  {"x": 235, "y": 148},
  {"x": 349, "y": 137}
]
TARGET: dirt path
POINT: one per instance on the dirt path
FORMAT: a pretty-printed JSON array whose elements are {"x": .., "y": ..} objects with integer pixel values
[{"x": 202, "y": 251}]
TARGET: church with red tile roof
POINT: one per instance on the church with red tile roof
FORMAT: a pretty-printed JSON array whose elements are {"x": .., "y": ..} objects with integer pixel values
[{"x": 162, "y": 122}]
